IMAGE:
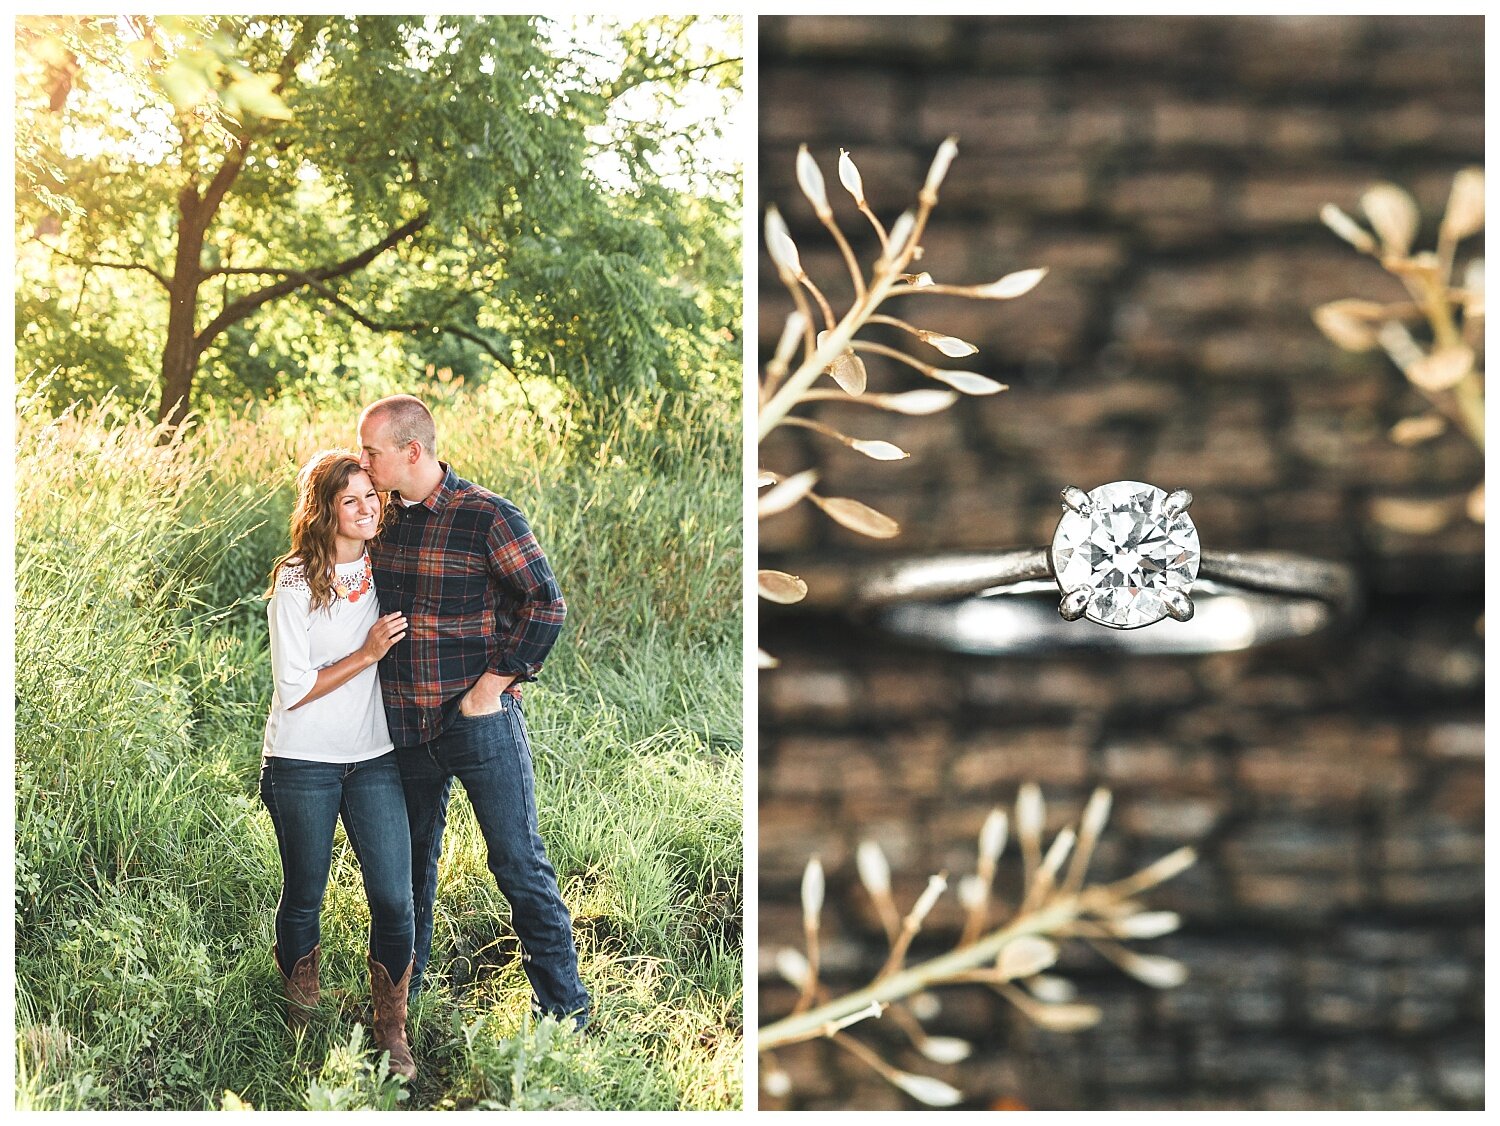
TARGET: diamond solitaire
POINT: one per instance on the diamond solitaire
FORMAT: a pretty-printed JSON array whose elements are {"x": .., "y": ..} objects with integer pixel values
[{"x": 1125, "y": 555}]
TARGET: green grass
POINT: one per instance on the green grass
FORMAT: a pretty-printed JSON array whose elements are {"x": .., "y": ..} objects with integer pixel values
[{"x": 146, "y": 868}]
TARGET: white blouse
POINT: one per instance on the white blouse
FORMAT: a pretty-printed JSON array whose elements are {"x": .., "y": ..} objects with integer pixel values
[{"x": 348, "y": 724}]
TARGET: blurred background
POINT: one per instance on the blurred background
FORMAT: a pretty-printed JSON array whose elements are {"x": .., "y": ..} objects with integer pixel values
[{"x": 1169, "y": 172}]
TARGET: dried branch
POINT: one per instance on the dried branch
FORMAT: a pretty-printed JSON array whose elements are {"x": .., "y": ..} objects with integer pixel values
[
  {"x": 1448, "y": 369},
  {"x": 834, "y": 351},
  {"x": 1103, "y": 915}
]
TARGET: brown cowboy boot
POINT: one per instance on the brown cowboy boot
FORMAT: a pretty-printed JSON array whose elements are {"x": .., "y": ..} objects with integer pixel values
[
  {"x": 301, "y": 986},
  {"x": 390, "y": 1018}
]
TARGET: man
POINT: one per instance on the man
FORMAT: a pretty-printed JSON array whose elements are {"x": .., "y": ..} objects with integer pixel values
[{"x": 482, "y": 609}]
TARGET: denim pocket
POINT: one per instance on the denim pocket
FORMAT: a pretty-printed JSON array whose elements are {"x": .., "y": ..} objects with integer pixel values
[{"x": 504, "y": 707}]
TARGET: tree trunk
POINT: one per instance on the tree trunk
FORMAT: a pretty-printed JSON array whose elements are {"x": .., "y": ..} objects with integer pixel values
[{"x": 179, "y": 360}]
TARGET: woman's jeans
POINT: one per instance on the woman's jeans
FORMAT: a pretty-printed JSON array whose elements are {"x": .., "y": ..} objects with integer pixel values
[
  {"x": 305, "y": 799},
  {"x": 490, "y": 755}
]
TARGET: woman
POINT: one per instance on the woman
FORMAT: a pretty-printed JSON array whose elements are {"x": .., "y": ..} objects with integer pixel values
[{"x": 327, "y": 751}]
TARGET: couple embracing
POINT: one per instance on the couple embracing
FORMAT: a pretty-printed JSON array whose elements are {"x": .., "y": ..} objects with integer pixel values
[{"x": 404, "y": 619}]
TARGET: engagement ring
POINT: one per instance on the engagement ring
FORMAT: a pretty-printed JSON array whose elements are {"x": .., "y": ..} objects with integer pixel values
[{"x": 1125, "y": 557}]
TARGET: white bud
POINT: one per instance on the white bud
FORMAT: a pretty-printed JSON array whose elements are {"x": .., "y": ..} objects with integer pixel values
[
  {"x": 1153, "y": 969},
  {"x": 850, "y": 178},
  {"x": 1031, "y": 812},
  {"x": 901, "y": 231},
  {"x": 935, "y": 174},
  {"x": 792, "y": 965},
  {"x": 810, "y": 178},
  {"x": 779, "y": 243},
  {"x": 1011, "y": 285},
  {"x": 936, "y": 885},
  {"x": 950, "y": 346},
  {"x": 1065, "y": 1018},
  {"x": 1061, "y": 846},
  {"x": 1148, "y": 924},
  {"x": 973, "y": 893},
  {"x": 874, "y": 871},
  {"x": 1095, "y": 814},
  {"x": 1346, "y": 228},
  {"x": 1052, "y": 989},
  {"x": 1474, "y": 279},
  {"x": 969, "y": 382},
  {"x": 992, "y": 836},
  {"x": 945, "y": 1049},
  {"x": 925, "y": 1089},
  {"x": 916, "y": 402},
  {"x": 778, "y": 1084},
  {"x": 791, "y": 335},
  {"x": 1159, "y": 872},
  {"x": 925, "y": 1006},
  {"x": 880, "y": 451},
  {"x": 812, "y": 892},
  {"x": 1024, "y": 956},
  {"x": 1393, "y": 214},
  {"x": 787, "y": 493},
  {"x": 1465, "y": 214}
]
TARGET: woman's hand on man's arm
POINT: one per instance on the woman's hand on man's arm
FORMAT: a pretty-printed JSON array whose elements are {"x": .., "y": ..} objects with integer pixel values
[{"x": 387, "y": 630}]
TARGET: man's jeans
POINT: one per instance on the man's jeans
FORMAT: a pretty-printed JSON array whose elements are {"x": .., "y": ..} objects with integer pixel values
[
  {"x": 305, "y": 798},
  {"x": 490, "y": 755}
]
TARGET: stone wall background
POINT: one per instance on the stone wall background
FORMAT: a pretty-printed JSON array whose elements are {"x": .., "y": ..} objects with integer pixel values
[{"x": 1169, "y": 171}]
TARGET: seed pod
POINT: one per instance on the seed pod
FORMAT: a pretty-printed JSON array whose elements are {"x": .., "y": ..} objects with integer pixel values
[
  {"x": 849, "y": 176},
  {"x": 874, "y": 870},
  {"x": 925, "y": 1089},
  {"x": 940, "y": 163},
  {"x": 812, "y": 892},
  {"x": 1011, "y": 285},
  {"x": 810, "y": 178},
  {"x": 779, "y": 243}
]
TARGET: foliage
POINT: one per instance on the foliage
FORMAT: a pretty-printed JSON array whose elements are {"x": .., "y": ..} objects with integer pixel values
[
  {"x": 1055, "y": 904},
  {"x": 147, "y": 870},
  {"x": 1447, "y": 304},
  {"x": 374, "y": 193},
  {"x": 835, "y": 352}
]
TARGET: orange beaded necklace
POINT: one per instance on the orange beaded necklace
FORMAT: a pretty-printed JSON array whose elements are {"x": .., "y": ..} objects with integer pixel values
[{"x": 346, "y": 588}]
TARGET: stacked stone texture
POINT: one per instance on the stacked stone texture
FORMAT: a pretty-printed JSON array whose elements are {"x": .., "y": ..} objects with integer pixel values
[{"x": 1169, "y": 172}]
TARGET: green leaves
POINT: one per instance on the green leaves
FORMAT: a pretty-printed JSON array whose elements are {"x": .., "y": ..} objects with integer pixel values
[{"x": 561, "y": 228}]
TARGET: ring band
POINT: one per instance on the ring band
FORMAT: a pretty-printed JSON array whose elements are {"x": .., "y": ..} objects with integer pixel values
[{"x": 1005, "y": 602}]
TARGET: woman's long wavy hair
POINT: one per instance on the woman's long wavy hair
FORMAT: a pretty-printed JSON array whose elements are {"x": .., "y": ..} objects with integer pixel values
[{"x": 315, "y": 520}]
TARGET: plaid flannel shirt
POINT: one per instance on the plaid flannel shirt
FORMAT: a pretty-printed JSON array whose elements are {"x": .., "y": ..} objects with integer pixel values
[{"x": 478, "y": 594}]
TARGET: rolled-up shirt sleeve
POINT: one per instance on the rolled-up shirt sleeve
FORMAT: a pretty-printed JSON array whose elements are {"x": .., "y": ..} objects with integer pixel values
[
  {"x": 526, "y": 630},
  {"x": 292, "y": 669}
]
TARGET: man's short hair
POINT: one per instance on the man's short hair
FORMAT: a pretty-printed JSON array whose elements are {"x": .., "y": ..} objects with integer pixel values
[{"x": 409, "y": 421}]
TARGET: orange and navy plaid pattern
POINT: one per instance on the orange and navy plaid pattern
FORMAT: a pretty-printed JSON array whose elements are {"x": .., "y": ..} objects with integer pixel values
[{"x": 478, "y": 595}]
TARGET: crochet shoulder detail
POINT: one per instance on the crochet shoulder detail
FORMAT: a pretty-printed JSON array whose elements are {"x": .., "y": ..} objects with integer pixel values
[{"x": 291, "y": 576}]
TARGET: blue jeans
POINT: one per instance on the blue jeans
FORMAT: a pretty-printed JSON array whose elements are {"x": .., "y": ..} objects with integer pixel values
[
  {"x": 305, "y": 798},
  {"x": 490, "y": 755}
]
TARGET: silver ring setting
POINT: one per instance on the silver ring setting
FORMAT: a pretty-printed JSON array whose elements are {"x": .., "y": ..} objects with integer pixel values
[{"x": 1124, "y": 556}]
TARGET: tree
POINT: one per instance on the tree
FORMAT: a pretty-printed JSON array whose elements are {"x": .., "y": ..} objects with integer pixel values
[{"x": 431, "y": 177}]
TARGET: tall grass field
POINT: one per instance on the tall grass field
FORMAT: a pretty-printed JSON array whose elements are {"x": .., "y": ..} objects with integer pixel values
[{"x": 146, "y": 867}]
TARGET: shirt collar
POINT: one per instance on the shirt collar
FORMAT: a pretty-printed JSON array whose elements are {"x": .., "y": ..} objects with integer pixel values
[{"x": 436, "y": 500}]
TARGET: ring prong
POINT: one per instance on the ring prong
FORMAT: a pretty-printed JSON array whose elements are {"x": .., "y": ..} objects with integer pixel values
[
  {"x": 1076, "y": 499},
  {"x": 1179, "y": 605},
  {"x": 1177, "y": 503},
  {"x": 1073, "y": 605}
]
